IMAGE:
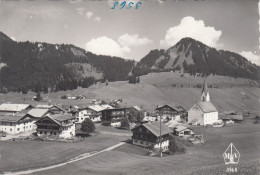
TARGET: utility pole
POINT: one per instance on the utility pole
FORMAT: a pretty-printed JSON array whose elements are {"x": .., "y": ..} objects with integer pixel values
[{"x": 160, "y": 138}]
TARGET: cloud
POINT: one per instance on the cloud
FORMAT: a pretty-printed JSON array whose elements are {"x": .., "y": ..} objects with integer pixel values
[
  {"x": 196, "y": 29},
  {"x": 251, "y": 56},
  {"x": 259, "y": 22},
  {"x": 81, "y": 10},
  {"x": 75, "y": 1},
  {"x": 133, "y": 40},
  {"x": 89, "y": 14},
  {"x": 97, "y": 18},
  {"x": 106, "y": 46},
  {"x": 66, "y": 26}
]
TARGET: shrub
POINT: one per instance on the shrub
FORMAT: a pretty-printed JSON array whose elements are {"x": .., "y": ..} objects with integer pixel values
[{"x": 87, "y": 126}]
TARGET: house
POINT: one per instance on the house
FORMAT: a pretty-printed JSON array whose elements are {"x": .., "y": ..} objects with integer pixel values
[
  {"x": 203, "y": 112},
  {"x": 14, "y": 108},
  {"x": 93, "y": 112},
  {"x": 148, "y": 135},
  {"x": 113, "y": 117},
  {"x": 232, "y": 116},
  {"x": 183, "y": 131},
  {"x": 169, "y": 111},
  {"x": 17, "y": 123},
  {"x": 58, "y": 125},
  {"x": 52, "y": 108},
  {"x": 150, "y": 117}
]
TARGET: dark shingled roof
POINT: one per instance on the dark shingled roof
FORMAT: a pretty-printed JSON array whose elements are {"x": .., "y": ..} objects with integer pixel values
[
  {"x": 61, "y": 117},
  {"x": 154, "y": 127}
]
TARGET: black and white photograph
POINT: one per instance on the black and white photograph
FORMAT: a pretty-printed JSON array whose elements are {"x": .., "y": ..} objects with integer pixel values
[{"x": 129, "y": 87}]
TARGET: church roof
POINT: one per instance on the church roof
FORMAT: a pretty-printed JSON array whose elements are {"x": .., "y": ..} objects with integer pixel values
[
  {"x": 205, "y": 87},
  {"x": 207, "y": 106}
]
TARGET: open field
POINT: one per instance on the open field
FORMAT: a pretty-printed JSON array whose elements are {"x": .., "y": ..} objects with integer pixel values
[
  {"x": 198, "y": 159},
  {"x": 17, "y": 155}
]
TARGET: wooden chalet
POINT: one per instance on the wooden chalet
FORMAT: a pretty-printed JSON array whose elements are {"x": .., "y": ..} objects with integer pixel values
[
  {"x": 113, "y": 117},
  {"x": 148, "y": 135},
  {"x": 62, "y": 126},
  {"x": 169, "y": 111}
]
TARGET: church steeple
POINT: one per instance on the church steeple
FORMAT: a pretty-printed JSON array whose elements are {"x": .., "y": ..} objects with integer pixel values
[{"x": 205, "y": 93}]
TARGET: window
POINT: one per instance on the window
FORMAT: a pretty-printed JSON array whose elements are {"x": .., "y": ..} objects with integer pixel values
[
  {"x": 40, "y": 132},
  {"x": 54, "y": 133},
  {"x": 10, "y": 129},
  {"x": 18, "y": 129}
]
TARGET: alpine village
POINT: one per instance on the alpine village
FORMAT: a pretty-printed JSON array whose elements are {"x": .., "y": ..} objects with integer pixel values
[{"x": 128, "y": 112}]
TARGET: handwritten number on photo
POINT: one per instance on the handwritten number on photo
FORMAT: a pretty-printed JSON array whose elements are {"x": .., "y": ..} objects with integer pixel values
[{"x": 123, "y": 4}]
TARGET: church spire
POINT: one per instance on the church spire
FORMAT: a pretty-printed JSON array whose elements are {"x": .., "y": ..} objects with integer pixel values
[{"x": 205, "y": 93}]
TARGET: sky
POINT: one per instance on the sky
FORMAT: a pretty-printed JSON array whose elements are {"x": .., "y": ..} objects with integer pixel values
[{"x": 132, "y": 32}]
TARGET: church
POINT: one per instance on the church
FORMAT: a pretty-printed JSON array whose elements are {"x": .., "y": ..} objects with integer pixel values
[{"x": 203, "y": 112}]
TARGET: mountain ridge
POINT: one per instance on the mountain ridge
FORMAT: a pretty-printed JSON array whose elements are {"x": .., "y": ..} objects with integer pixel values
[
  {"x": 192, "y": 56},
  {"x": 38, "y": 65}
]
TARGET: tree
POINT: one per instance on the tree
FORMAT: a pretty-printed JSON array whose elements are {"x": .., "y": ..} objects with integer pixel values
[
  {"x": 38, "y": 97},
  {"x": 175, "y": 146},
  {"x": 125, "y": 123},
  {"x": 87, "y": 126}
]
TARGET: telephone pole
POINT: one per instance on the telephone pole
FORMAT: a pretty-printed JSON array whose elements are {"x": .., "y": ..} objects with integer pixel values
[{"x": 160, "y": 138}]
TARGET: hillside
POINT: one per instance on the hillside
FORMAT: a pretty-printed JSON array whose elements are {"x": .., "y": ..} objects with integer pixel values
[
  {"x": 229, "y": 93},
  {"x": 38, "y": 66},
  {"x": 192, "y": 56}
]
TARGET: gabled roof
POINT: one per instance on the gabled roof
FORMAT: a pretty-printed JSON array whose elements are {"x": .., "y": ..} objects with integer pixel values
[
  {"x": 13, "y": 107},
  {"x": 96, "y": 108},
  {"x": 181, "y": 128},
  {"x": 12, "y": 118},
  {"x": 154, "y": 127},
  {"x": 49, "y": 107},
  {"x": 207, "y": 106},
  {"x": 58, "y": 118},
  {"x": 61, "y": 118},
  {"x": 38, "y": 112}
]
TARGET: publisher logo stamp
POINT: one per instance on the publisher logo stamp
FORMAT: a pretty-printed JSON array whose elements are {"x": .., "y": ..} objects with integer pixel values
[{"x": 231, "y": 157}]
